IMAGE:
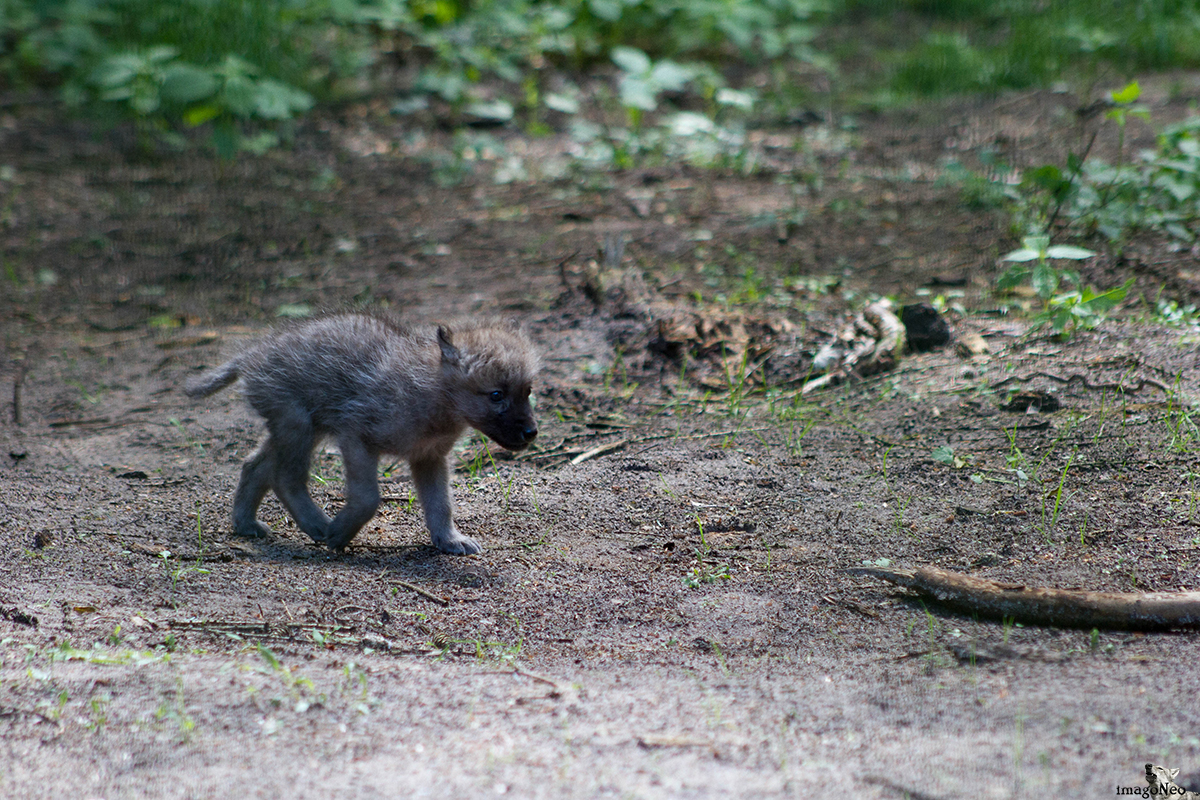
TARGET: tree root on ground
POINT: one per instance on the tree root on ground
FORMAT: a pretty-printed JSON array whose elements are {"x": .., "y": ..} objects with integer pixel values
[{"x": 1059, "y": 608}]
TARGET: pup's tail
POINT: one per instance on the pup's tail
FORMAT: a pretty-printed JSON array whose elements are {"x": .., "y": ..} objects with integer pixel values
[{"x": 213, "y": 381}]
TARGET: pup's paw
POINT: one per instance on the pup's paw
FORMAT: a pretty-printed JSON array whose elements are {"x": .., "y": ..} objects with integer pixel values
[
  {"x": 252, "y": 530},
  {"x": 457, "y": 545}
]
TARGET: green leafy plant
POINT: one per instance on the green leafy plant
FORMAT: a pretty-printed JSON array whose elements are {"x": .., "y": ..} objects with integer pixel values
[
  {"x": 237, "y": 65},
  {"x": 945, "y": 455},
  {"x": 1156, "y": 190},
  {"x": 1080, "y": 307},
  {"x": 1042, "y": 274},
  {"x": 240, "y": 68}
]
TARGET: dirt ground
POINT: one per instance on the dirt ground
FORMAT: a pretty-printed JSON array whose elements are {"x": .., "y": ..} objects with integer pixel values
[{"x": 661, "y": 608}]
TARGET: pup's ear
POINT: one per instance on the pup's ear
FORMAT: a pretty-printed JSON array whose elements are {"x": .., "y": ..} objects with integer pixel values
[
  {"x": 514, "y": 324},
  {"x": 450, "y": 354}
]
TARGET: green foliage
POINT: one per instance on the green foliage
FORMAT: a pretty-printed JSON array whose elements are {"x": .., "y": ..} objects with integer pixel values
[
  {"x": 1157, "y": 190},
  {"x": 190, "y": 62},
  {"x": 239, "y": 68},
  {"x": 974, "y": 45},
  {"x": 240, "y": 65},
  {"x": 1044, "y": 277},
  {"x": 1160, "y": 190},
  {"x": 1065, "y": 311}
]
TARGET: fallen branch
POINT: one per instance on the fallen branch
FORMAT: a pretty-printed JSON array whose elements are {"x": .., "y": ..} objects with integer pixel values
[{"x": 1059, "y": 608}]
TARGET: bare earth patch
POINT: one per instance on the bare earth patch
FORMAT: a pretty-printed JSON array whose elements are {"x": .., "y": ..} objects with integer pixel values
[{"x": 661, "y": 607}]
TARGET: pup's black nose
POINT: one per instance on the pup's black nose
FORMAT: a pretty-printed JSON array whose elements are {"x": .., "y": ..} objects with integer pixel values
[{"x": 529, "y": 434}]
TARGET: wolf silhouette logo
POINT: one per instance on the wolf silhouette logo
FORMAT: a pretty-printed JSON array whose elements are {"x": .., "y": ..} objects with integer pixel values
[{"x": 1162, "y": 784}]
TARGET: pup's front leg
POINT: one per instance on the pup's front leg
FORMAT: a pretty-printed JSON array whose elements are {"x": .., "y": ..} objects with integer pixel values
[{"x": 432, "y": 479}]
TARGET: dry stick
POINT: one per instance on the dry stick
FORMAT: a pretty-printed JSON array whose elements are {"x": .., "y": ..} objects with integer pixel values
[
  {"x": 1060, "y": 608},
  {"x": 16, "y": 395},
  {"x": 598, "y": 450},
  {"x": 601, "y": 449},
  {"x": 441, "y": 601},
  {"x": 561, "y": 687},
  {"x": 1074, "y": 174}
]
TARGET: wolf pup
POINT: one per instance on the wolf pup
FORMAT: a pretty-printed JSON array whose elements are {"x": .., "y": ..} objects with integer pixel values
[{"x": 375, "y": 387}]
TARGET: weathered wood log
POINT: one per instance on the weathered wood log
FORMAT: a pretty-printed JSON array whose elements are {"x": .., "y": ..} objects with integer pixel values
[
  {"x": 890, "y": 346},
  {"x": 1036, "y": 605},
  {"x": 872, "y": 342}
]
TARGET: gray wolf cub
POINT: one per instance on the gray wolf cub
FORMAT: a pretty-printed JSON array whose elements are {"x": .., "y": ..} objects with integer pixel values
[{"x": 374, "y": 387}]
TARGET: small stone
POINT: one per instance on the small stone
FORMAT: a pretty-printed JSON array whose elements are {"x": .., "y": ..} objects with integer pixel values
[{"x": 924, "y": 327}]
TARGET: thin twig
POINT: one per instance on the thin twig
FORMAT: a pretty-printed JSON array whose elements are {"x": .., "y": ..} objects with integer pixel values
[
  {"x": 561, "y": 687},
  {"x": 598, "y": 450},
  {"x": 441, "y": 601},
  {"x": 1071, "y": 180},
  {"x": 16, "y": 394}
]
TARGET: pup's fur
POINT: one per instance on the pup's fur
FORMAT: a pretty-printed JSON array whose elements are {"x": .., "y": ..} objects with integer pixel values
[{"x": 375, "y": 387}]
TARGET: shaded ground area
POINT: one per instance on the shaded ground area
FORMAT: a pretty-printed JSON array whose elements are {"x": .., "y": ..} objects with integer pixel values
[{"x": 660, "y": 610}]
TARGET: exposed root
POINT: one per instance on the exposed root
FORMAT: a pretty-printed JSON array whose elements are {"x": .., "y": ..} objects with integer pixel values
[{"x": 1059, "y": 608}]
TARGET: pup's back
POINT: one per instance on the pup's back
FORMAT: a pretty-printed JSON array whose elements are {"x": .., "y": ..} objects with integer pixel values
[{"x": 347, "y": 371}]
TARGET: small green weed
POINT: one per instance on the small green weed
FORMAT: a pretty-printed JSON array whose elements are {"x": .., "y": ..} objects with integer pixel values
[
  {"x": 188, "y": 440},
  {"x": 1049, "y": 519},
  {"x": 175, "y": 711},
  {"x": 706, "y": 570},
  {"x": 98, "y": 712},
  {"x": 299, "y": 692},
  {"x": 1065, "y": 311}
]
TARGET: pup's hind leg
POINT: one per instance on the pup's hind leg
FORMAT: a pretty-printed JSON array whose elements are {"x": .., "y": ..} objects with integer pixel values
[
  {"x": 257, "y": 476},
  {"x": 432, "y": 479},
  {"x": 294, "y": 439},
  {"x": 362, "y": 492}
]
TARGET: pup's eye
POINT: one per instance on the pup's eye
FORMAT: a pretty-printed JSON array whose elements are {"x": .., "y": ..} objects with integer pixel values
[{"x": 496, "y": 396}]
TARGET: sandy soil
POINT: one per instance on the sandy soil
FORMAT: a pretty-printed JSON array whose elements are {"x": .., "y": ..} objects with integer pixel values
[{"x": 661, "y": 608}]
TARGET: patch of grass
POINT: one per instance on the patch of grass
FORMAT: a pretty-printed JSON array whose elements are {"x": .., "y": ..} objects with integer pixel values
[
  {"x": 489, "y": 651},
  {"x": 177, "y": 572},
  {"x": 1049, "y": 519},
  {"x": 174, "y": 711},
  {"x": 299, "y": 692},
  {"x": 188, "y": 440},
  {"x": 707, "y": 569},
  {"x": 1182, "y": 431},
  {"x": 939, "y": 47},
  {"x": 897, "y": 505}
]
